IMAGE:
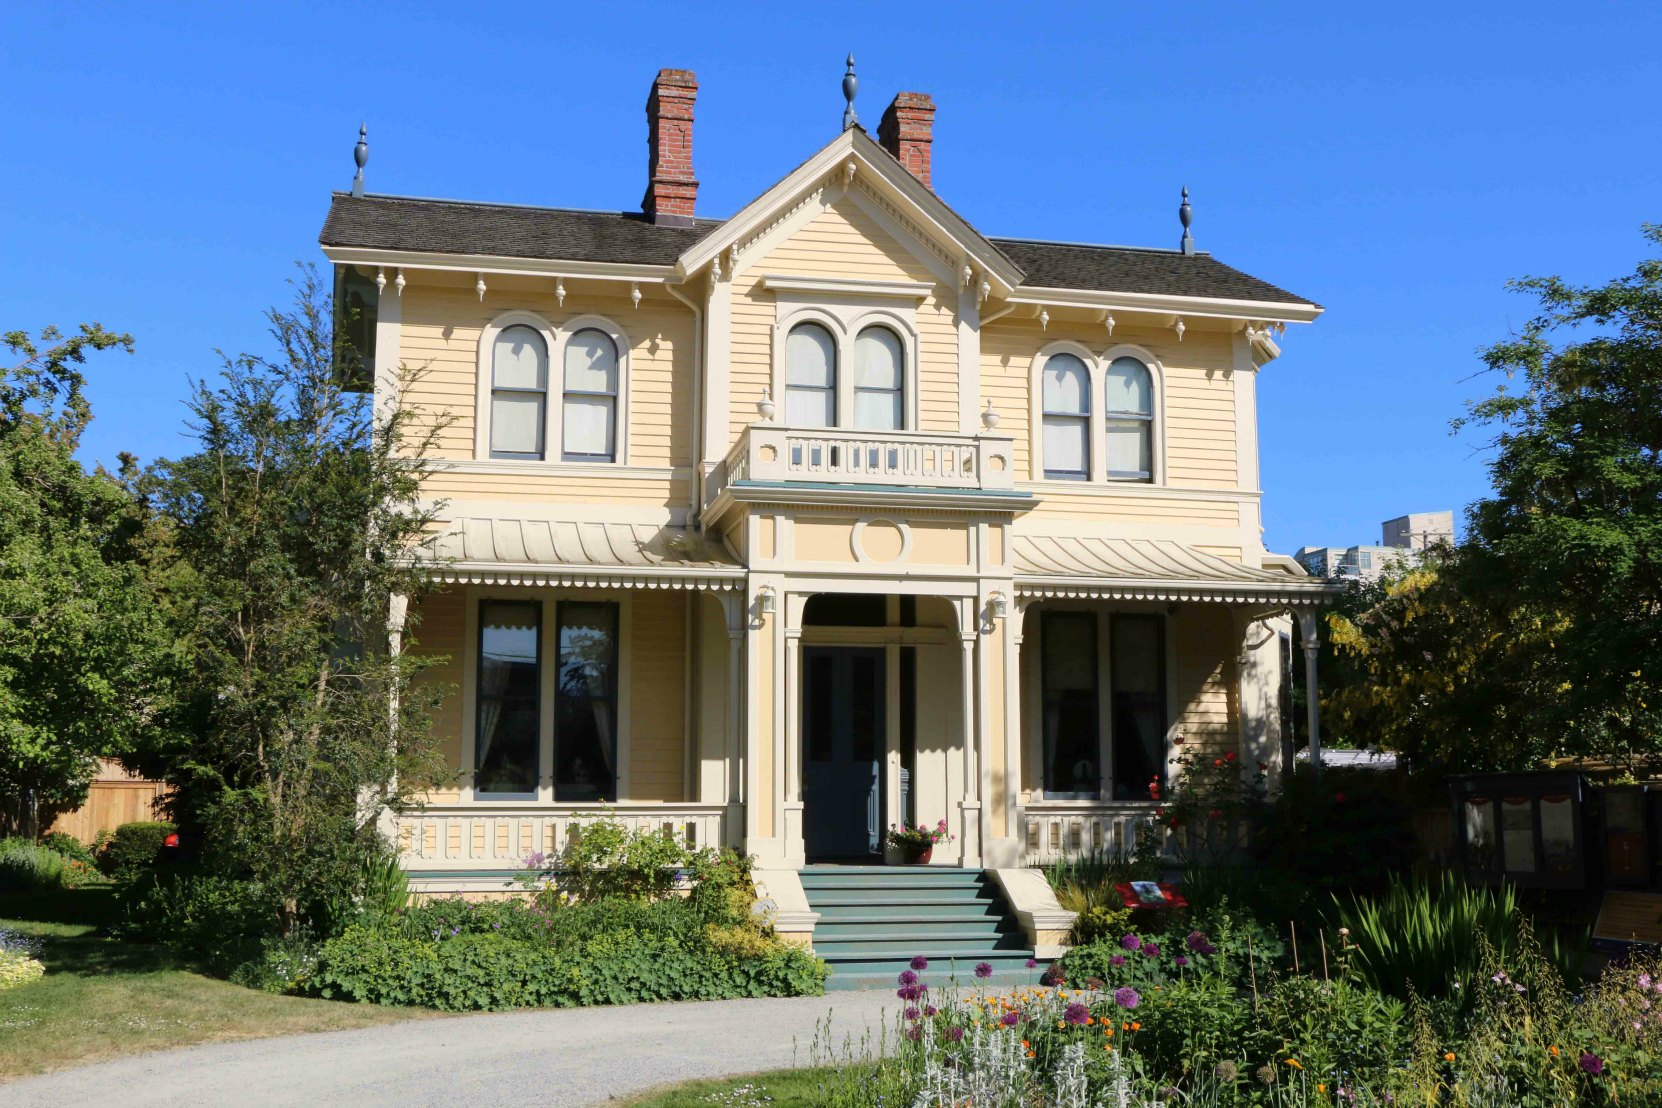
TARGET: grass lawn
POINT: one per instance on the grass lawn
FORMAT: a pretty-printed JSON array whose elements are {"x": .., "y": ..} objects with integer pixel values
[
  {"x": 101, "y": 998},
  {"x": 779, "y": 1089}
]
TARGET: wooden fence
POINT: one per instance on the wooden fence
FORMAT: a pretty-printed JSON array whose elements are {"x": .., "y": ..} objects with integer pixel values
[{"x": 116, "y": 797}]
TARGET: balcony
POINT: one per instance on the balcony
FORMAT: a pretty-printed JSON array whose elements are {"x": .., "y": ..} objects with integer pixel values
[{"x": 771, "y": 455}]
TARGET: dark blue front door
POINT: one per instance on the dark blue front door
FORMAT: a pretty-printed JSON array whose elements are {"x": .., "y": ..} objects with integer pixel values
[{"x": 843, "y": 697}]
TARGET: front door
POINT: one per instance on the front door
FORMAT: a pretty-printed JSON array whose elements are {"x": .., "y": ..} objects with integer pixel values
[{"x": 843, "y": 733}]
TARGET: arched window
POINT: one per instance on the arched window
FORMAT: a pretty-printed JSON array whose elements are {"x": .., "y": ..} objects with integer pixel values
[
  {"x": 810, "y": 377},
  {"x": 879, "y": 388},
  {"x": 1067, "y": 418},
  {"x": 1128, "y": 399},
  {"x": 589, "y": 427},
  {"x": 519, "y": 393}
]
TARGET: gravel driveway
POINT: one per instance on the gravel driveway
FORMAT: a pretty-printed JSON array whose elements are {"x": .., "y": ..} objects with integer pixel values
[{"x": 574, "y": 1056}]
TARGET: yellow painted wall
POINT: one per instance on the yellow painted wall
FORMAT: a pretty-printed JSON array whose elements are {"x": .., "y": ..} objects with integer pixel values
[
  {"x": 1203, "y": 684},
  {"x": 441, "y": 629}
]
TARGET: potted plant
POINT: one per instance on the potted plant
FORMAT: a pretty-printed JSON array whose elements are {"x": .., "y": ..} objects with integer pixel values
[{"x": 915, "y": 845}]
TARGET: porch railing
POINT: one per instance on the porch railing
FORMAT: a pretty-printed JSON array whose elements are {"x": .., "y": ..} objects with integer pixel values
[
  {"x": 470, "y": 837},
  {"x": 885, "y": 458},
  {"x": 1055, "y": 830}
]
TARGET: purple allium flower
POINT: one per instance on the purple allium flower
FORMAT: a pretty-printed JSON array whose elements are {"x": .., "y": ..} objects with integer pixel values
[
  {"x": 455, "y": 930},
  {"x": 911, "y": 992},
  {"x": 1126, "y": 997},
  {"x": 1076, "y": 1014},
  {"x": 1151, "y": 949},
  {"x": 912, "y": 1012},
  {"x": 496, "y": 927},
  {"x": 1181, "y": 960},
  {"x": 920, "y": 962},
  {"x": 930, "y": 1009},
  {"x": 1032, "y": 963},
  {"x": 1117, "y": 960},
  {"x": 914, "y": 1032},
  {"x": 1131, "y": 942},
  {"x": 983, "y": 969},
  {"x": 1010, "y": 1019},
  {"x": 1591, "y": 1063},
  {"x": 955, "y": 1034},
  {"x": 907, "y": 977},
  {"x": 1198, "y": 943}
]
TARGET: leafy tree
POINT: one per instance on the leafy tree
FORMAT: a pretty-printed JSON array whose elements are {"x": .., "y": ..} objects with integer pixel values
[
  {"x": 82, "y": 649},
  {"x": 299, "y": 515},
  {"x": 1541, "y": 635}
]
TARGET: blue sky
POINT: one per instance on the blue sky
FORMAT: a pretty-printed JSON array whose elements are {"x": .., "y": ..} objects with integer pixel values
[{"x": 1397, "y": 163}]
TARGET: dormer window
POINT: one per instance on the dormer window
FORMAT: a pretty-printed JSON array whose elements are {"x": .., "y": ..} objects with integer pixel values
[
  {"x": 1129, "y": 402},
  {"x": 810, "y": 377},
  {"x": 879, "y": 380},
  {"x": 1066, "y": 440},
  {"x": 589, "y": 432},
  {"x": 519, "y": 393}
]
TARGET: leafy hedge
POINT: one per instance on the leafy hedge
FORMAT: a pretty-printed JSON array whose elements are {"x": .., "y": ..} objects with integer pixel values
[
  {"x": 133, "y": 848},
  {"x": 478, "y": 970}
]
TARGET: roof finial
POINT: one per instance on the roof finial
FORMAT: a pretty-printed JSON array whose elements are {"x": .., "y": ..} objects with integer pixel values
[
  {"x": 1185, "y": 216},
  {"x": 851, "y": 85},
  {"x": 360, "y": 155}
]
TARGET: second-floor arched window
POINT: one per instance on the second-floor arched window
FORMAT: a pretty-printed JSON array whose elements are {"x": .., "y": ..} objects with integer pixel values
[
  {"x": 879, "y": 380},
  {"x": 1066, "y": 405},
  {"x": 810, "y": 377},
  {"x": 1128, "y": 400},
  {"x": 519, "y": 393},
  {"x": 589, "y": 425}
]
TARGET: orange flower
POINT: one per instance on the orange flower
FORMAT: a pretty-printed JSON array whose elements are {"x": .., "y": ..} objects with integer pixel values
[
  {"x": 1449, "y": 1057},
  {"x": 1089, "y": 1020},
  {"x": 1553, "y": 1050},
  {"x": 1108, "y": 1034},
  {"x": 1321, "y": 1088},
  {"x": 1024, "y": 1045},
  {"x": 1030, "y": 1054},
  {"x": 1295, "y": 1063},
  {"x": 1135, "y": 1026}
]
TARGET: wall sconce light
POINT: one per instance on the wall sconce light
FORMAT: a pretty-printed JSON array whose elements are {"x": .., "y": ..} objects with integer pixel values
[
  {"x": 767, "y": 601},
  {"x": 998, "y": 606}
]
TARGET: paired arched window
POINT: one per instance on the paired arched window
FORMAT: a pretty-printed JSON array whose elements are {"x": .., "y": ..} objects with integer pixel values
[
  {"x": 1066, "y": 404},
  {"x": 1076, "y": 396},
  {"x": 519, "y": 393},
  {"x": 589, "y": 430},
  {"x": 875, "y": 398},
  {"x": 1128, "y": 401}
]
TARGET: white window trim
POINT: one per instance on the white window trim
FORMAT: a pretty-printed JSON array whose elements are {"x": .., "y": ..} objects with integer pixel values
[
  {"x": 845, "y": 322},
  {"x": 547, "y": 657},
  {"x": 555, "y": 337},
  {"x": 1096, "y": 367}
]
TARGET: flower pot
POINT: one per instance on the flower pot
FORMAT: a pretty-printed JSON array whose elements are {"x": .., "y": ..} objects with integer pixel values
[{"x": 916, "y": 855}]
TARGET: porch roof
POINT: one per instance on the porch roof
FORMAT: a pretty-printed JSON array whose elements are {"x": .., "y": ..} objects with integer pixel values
[
  {"x": 1150, "y": 569},
  {"x": 504, "y": 551}
]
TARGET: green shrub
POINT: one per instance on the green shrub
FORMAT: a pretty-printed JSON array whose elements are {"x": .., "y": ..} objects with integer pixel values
[
  {"x": 218, "y": 919},
  {"x": 1431, "y": 935},
  {"x": 1351, "y": 831},
  {"x": 607, "y": 859},
  {"x": 133, "y": 848},
  {"x": 282, "y": 965},
  {"x": 62, "y": 842},
  {"x": 27, "y": 866},
  {"x": 1334, "y": 1027}
]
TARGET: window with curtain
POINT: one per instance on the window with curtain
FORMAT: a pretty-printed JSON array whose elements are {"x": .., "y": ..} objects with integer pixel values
[
  {"x": 1129, "y": 401},
  {"x": 586, "y": 702},
  {"x": 1137, "y": 664},
  {"x": 589, "y": 425},
  {"x": 1066, "y": 401},
  {"x": 810, "y": 377},
  {"x": 507, "y": 727},
  {"x": 1072, "y": 746},
  {"x": 879, "y": 380},
  {"x": 519, "y": 393}
]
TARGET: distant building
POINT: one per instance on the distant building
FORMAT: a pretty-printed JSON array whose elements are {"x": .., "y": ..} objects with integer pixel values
[{"x": 1402, "y": 537}]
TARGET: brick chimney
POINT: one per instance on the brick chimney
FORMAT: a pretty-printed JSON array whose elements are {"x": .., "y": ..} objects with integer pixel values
[
  {"x": 671, "y": 188},
  {"x": 907, "y": 130}
]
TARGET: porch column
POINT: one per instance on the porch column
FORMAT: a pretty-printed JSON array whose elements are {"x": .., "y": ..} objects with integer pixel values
[
  {"x": 398, "y": 611},
  {"x": 795, "y": 854},
  {"x": 1312, "y": 707},
  {"x": 733, "y": 608},
  {"x": 968, "y": 634},
  {"x": 1014, "y": 747}
]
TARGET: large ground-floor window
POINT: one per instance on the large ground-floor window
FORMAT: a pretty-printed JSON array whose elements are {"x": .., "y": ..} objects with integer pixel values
[
  {"x": 510, "y": 721},
  {"x": 1082, "y": 759}
]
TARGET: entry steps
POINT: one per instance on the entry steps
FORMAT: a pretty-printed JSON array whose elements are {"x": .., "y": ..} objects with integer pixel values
[{"x": 873, "y": 920}]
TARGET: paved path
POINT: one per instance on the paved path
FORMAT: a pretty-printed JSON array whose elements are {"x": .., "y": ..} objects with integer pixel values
[{"x": 574, "y": 1056}]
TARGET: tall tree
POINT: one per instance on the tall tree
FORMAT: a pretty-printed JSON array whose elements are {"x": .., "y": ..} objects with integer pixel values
[
  {"x": 82, "y": 649},
  {"x": 299, "y": 515},
  {"x": 1541, "y": 634}
]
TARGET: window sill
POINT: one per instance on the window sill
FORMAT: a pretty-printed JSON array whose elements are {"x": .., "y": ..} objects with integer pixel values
[{"x": 514, "y": 467}]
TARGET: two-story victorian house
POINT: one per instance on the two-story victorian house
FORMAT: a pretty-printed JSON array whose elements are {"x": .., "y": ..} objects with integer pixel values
[{"x": 778, "y": 529}]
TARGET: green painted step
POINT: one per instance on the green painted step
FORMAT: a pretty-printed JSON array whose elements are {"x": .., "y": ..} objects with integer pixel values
[
  {"x": 887, "y": 909},
  {"x": 890, "y": 894},
  {"x": 987, "y": 927}
]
